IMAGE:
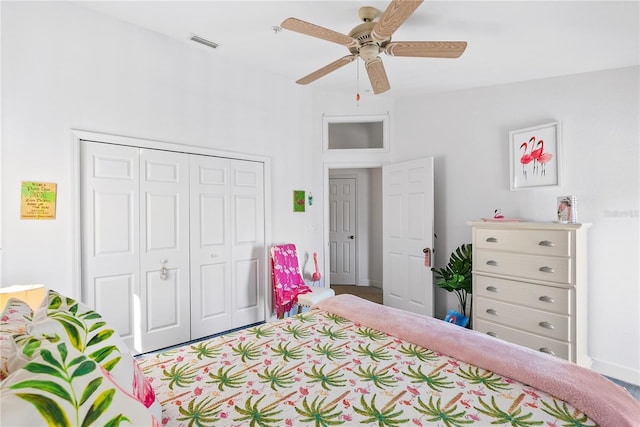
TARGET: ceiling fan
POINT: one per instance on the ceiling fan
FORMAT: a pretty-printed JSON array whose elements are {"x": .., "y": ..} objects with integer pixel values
[{"x": 370, "y": 38}]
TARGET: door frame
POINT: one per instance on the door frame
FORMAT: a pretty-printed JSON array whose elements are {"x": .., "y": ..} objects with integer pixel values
[
  {"x": 326, "y": 167},
  {"x": 77, "y": 136}
]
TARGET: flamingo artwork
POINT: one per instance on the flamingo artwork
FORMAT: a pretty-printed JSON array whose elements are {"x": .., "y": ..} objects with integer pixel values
[
  {"x": 541, "y": 157},
  {"x": 535, "y": 154},
  {"x": 316, "y": 275},
  {"x": 525, "y": 159}
]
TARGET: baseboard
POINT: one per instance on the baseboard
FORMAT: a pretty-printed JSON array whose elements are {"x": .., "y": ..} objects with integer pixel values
[{"x": 619, "y": 372}]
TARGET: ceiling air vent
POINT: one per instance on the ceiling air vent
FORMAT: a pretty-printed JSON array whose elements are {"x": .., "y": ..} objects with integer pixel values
[{"x": 205, "y": 42}]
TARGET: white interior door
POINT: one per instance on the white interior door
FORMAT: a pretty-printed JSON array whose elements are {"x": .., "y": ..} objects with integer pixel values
[
  {"x": 407, "y": 230},
  {"x": 110, "y": 176},
  {"x": 342, "y": 230},
  {"x": 164, "y": 249}
]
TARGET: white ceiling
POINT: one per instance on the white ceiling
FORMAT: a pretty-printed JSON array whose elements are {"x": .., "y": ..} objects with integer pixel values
[{"x": 508, "y": 41}]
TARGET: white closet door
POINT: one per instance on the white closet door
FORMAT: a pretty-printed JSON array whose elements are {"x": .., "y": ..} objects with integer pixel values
[
  {"x": 173, "y": 244},
  {"x": 110, "y": 210},
  {"x": 164, "y": 249},
  {"x": 210, "y": 246},
  {"x": 247, "y": 248}
]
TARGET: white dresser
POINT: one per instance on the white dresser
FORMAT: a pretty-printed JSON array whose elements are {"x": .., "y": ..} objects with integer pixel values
[{"x": 530, "y": 285}]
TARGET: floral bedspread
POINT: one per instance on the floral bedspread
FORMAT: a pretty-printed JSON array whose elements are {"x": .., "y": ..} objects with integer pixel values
[{"x": 319, "y": 369}]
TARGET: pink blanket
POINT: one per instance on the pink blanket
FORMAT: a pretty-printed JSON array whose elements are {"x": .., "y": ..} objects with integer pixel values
[{"x": 603, "y": 401}]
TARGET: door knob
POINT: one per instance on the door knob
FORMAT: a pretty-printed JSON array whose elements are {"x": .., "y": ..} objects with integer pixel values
[{"x": 352, "y": 237}]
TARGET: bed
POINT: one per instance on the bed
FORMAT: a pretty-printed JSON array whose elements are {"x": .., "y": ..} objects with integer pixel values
[{"x": 346, "y": 361}]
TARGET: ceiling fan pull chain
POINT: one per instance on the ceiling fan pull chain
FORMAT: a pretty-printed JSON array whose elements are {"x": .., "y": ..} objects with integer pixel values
[{"x": 357, "y": 81}]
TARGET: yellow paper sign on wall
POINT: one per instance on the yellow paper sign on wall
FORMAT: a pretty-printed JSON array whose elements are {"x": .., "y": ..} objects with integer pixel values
[{"x": 38, "y": 200}]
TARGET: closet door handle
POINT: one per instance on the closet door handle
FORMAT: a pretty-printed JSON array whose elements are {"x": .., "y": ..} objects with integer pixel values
[
  {"x": 492, "y": 289},
  {"x": 546, "y": 325},
  {"x": 163, "y": 270},
  {"x": 547, "y": 243},
  {"x": 546, "y": 269},
  {"x": 491, "y": 240},
  {"x": 492, "y": 263},
  {"x": 545, "y": 298}
]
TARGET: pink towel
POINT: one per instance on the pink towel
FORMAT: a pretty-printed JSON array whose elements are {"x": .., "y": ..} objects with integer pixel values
[{"x": 287, "y": 278}]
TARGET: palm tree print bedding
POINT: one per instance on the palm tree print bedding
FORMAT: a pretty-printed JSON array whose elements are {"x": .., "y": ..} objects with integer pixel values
[{"x": 319, "y": 369}]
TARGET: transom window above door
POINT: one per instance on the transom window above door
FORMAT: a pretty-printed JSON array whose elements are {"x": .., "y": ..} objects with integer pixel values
[{"x": 359, "y": 133}]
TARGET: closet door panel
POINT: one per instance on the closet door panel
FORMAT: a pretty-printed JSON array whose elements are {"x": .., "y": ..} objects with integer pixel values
[
  {"x": 247, "y": 289},
  {"x": 246, "y": 220},
  {"x": 210, "y": 246},
  {"x": 248, "y": 254},
  {"x": 164, "y": 257},
  {"x": 110, "y": 204},
  {"x": 212, "y": 302},
  {"x": 115, "y": 293},
  {"x": 163, "y": 295}
]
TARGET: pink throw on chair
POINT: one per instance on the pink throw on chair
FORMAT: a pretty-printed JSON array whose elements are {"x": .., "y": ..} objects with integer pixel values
[{"x": 287, "y": 278}]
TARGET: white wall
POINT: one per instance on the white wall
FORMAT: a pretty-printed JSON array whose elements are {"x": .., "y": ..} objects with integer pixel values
[
  {"x": 467, "y": 132},
  {"x": 65, "y": 67}
]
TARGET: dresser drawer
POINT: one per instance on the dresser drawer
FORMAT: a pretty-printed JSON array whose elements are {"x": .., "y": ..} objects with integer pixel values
[
  {"x": 535, "y": 342},
  {"x": 538, "y": 322},
  {"x": 550, "y": 269},
  {"x": 538, "y": 242},
  {"x": 546, "y": 298}
]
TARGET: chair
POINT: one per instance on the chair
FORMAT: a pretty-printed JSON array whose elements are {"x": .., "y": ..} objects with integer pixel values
[{"x": 289, "y": 287}]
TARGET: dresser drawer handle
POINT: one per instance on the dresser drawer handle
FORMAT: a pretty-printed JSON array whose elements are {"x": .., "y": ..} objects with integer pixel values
[
  {"x": 547, "y": 350},
  {"x": 546, "y": 325},
  {"x": 492, "y": 240},
  {"x": 547, "y": 243},
  {"x": 492, "y": 311},
  {"x": 546, "y": 269},
  {"x": 492, "y": 289},
  {"x": 492, "y": 263},
  {"x": 492, "y": 334},
  {"x": 545, "y": 298}
]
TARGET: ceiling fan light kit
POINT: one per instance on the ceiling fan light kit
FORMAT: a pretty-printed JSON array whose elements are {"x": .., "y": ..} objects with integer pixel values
[{"x": 372, "y": 37}]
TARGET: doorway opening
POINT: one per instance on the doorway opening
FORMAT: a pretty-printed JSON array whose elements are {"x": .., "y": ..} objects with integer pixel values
[{"x": 353, "y": 230}]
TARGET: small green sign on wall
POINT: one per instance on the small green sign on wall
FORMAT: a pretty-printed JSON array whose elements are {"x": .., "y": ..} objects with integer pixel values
[
  {"x": 298, "y": 201},
  {"x": 38, "y": 200}
]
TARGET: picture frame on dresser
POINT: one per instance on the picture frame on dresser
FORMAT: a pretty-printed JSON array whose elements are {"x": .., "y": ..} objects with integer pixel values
[{"x": 535, "y": 157}]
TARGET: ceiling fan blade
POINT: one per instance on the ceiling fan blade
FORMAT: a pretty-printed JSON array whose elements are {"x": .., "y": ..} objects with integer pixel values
[
  {"x": 313, "y": 30},
  {"x": 377, "y": 75},
  {"x": 426, "y": 49},
  {"x": 326, "y": 70},
  {"x": 396, "y": 13}
]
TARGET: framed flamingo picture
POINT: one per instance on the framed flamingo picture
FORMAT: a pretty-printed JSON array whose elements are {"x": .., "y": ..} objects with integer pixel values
[{"x": 535, "y": 157}]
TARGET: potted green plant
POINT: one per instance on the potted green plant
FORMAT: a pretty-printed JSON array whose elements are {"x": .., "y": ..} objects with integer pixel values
[{"x": 456, "y": 276}]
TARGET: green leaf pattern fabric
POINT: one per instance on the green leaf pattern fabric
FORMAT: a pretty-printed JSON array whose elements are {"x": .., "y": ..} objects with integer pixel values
[{"x": 73, "y": 370}]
